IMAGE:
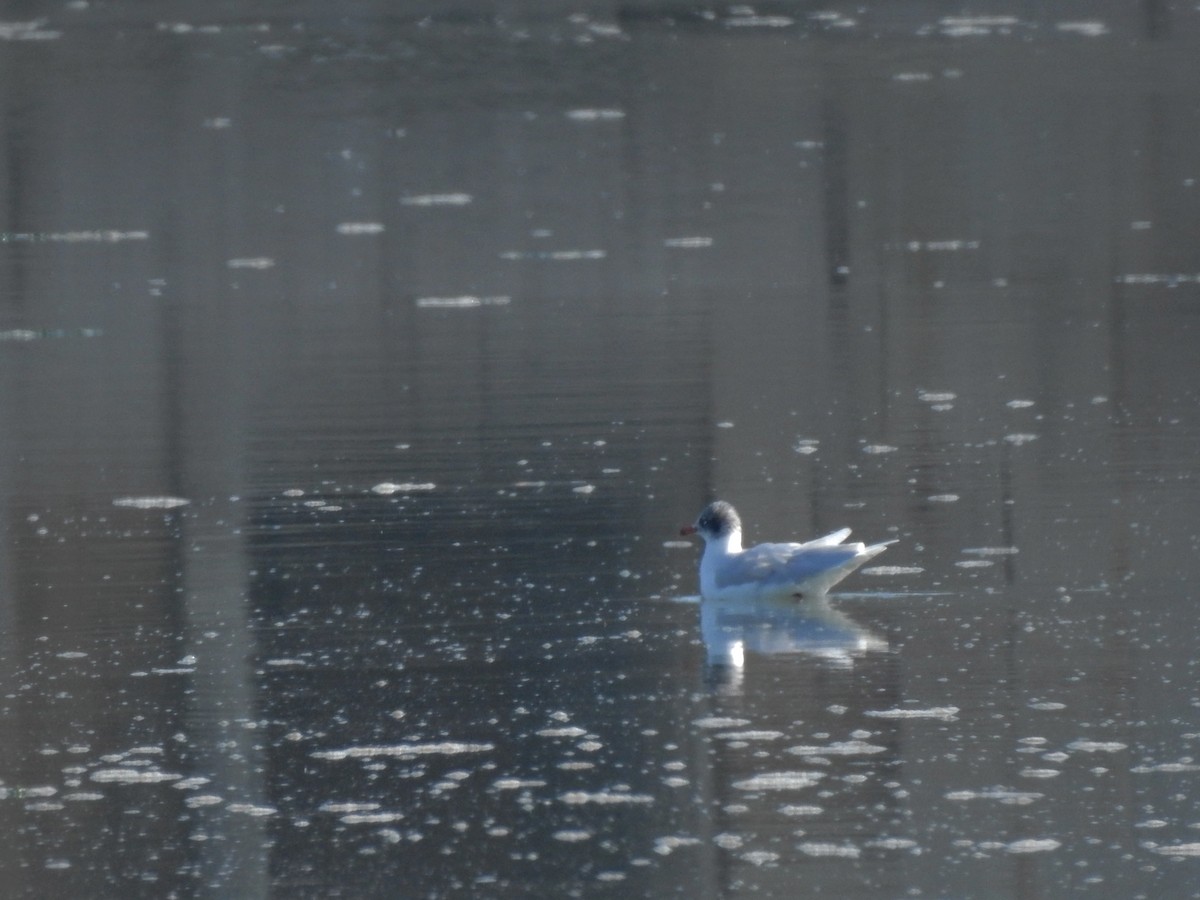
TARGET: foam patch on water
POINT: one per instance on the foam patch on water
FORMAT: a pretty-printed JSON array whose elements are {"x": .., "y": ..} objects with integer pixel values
[
  {"x": 1033, "y": 845},
  {"x": 946, "y": 713},
  {"x": 838, "y": 748},
  {"x": 822, "y": 848},
  {"x": 405, "y": 751},
  {"x": 150, "y": 502},
  {"x": 688, "y": 243},
  {"x": 1179, "y": 850},
  {"x": 892, "y": 570},
  {"x": 360, "y": 228},
  {"x": 405, "y": 487},
  {"x": 595, "y": 115},
  {"x": 450, "y": 199},
  {"x": 1007, "y": 797},
  {"x": 719, "y": 722},
  {"x": 132, "y": 776},
  {"x": 1097, "y": 746},
  {"x": 749, "y": 735},
  {"x": 779, "y": 781},
  {"x": 605, "y": 798},
  {"x": 251, "y": 262},
  {"x": 467, "y": 301}
]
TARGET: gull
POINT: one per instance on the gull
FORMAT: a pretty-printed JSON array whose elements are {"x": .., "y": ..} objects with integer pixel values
[{"x": 727, "y": 572}]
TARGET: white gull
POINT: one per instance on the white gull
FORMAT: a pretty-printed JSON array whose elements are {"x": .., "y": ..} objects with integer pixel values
[{"x": 727, "y": 572}]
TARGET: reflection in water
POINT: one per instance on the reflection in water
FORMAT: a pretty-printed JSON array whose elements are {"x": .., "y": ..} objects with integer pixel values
[{"x": 783, "y": 625}]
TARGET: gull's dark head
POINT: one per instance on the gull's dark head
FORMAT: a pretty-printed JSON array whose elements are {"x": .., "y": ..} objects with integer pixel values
[{"x": 718, "y": 520}]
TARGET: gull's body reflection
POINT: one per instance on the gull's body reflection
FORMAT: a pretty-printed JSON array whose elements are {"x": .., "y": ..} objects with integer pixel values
[{"x": 771, "y": 626}]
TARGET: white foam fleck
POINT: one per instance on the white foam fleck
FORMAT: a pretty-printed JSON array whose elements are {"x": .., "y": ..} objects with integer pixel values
[
  {"x": 132, "y": 776},
  {"x": 371, "y": 818},
  {"x": 719, "y": 722},
  {"x": 838, "y": 748},
  {"x": 665, "y": 846},
  {"x": 800, "y": 810},
  {"x": 991, "y": 551},
  {"x": 360, "y": 228},
  {"x": 750, "y": 735},
  {"x": 605, "y": 798},
  {"x": 688, "y": 243},
  {"x": 892, "y": 570},
  {"x": 1097, "y": 746},
  {"x": 1047, "y": 705},
  {"x": 759, "y": 857},
  {"x": 879, "y": 448},
  {"x": 822, "y": 848},
  {"x": 974, "y": 563},
  {"x": 450, "y": 199},
  {"x": 199, "y": 801},
  {"x": 1087, "y": 29},
  {"x": 1010, "y": 798},
  {"x": 255, "y": 810},
  {"x": 27, "y": 31},
  {"x": 1040, "y": 773},
  {"x": 404, "y": 751},
  {"x": 572, "y": 835},
  {"x": 1179, "y": 850},
  {"x": 568, "y": 732},
  {"x": 937, "y": 396},
  {"x": 467, "y": 301},
  {"x": 779, "y": 781},
  {"x": 517, "y": 784},
  {"x": 1174, "y": 767},
  {"x": 943, "y": 498},
  {"x": 342, "y": 808},
  {"x": 1033, "y": 845},
  {"x": 753, "y": 21},
  {"x": 1019, "y": 439},
  {"x": 1019, "y": 404},
  {"x": 584, "y": 488},
  {"x": 150, "y": 502},
  {"x": 251, "y": 262},
  {"x": 405, "y": 487},
  {"x": 935, "y": 712},
  {"x": 891, "y": 843},
  {"x": 595, "y": 115}
]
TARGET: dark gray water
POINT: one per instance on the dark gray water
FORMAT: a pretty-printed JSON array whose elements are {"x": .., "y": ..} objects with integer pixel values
[{"x": 358, "y": 364}]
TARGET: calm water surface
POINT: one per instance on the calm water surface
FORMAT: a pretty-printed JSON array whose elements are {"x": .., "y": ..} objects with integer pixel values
[{"x": 358, "y": 366}]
